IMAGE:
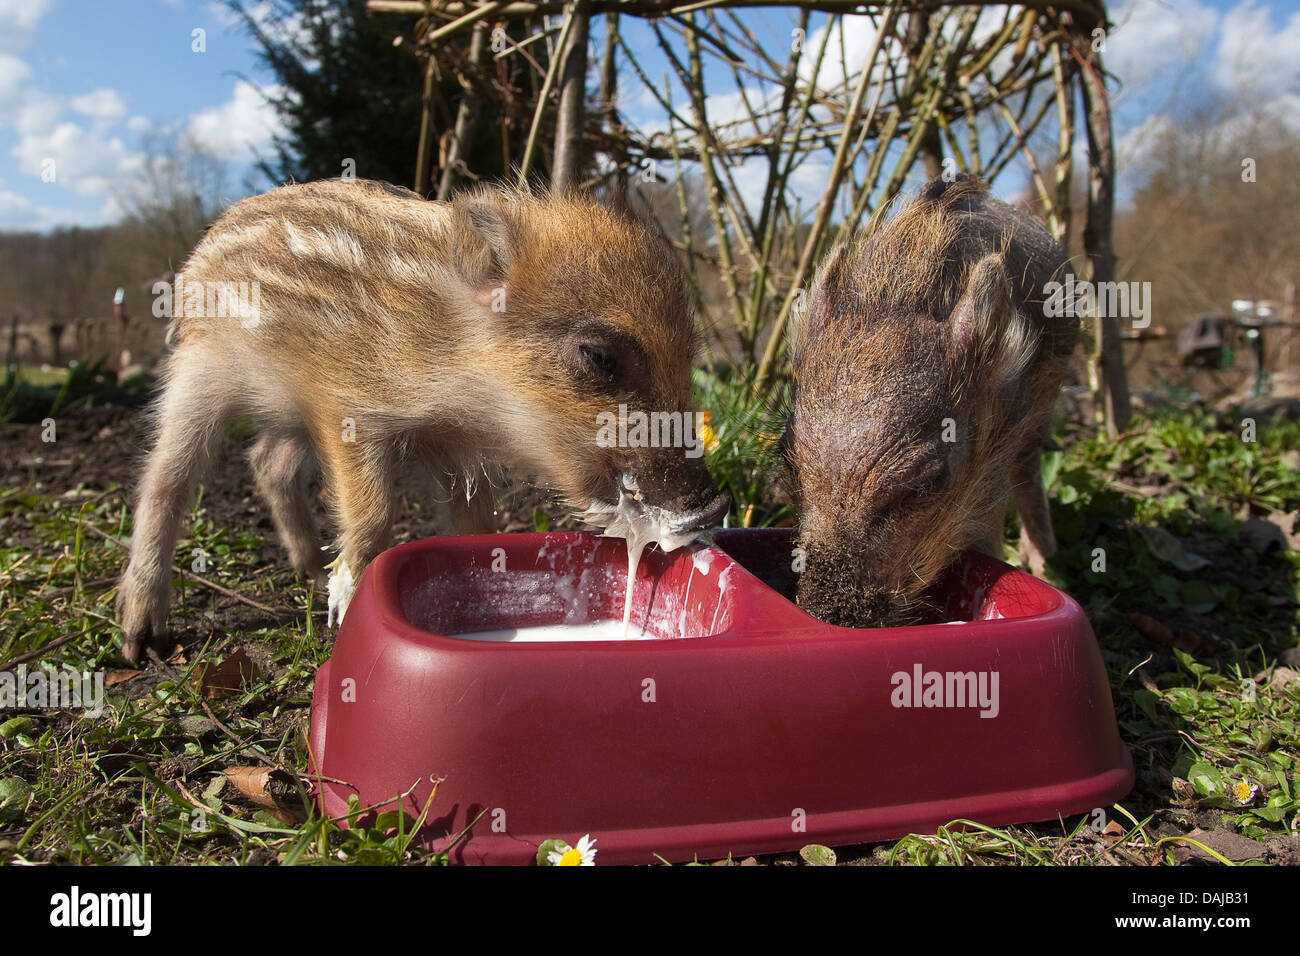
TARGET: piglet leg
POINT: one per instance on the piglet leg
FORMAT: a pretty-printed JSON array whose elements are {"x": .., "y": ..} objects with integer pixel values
[
  {"x": 1037, "y": 540},
  {"x": 360, "y": 476},
  {"x": 191, "y": 414}
]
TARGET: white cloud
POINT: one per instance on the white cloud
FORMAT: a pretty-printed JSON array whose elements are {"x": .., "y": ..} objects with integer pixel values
[
  {"x": 229, "y": 18},
  {"x": 808, "y": 182},
  {"x": 14, "y": 73},
  {"x": 84, "y": 161},
  {"x": 21, "y": 214},
  {"x": 270, "y": 19},
  {"x": 240, "y": 127},
  {"x": 18, "y": 18},
  {"x": 847, "y": 47},
  {"x": 1154, "y": 38},
  {"x": 37, "y": 112},
  {"x": 102, "y": 104},
  {"x": 1254, "y": 55},
  {"x": 729, "y": 115},
  {"x": 16, "y": 212},
  {"x": 1135, "y": 149}
]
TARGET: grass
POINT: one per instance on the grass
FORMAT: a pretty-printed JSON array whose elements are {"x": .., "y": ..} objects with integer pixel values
[
  {"x": 741, "y": 444},
  {"x": 1215, "y": 738},
  {"x": 30, "y": 394}
]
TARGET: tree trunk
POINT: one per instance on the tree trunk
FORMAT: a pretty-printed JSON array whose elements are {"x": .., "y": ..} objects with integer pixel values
[
  {"x": 609, "y": 72},
  {"x": 424, "y": 153},
  {"x": 1097, "y": 239},
  {"x": 931, "y": 148},
  {"x": 468, "y": 109},
  {"x": 566, "y": 164}
]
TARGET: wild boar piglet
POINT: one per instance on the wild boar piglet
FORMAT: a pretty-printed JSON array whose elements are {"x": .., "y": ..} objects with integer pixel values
[
  {"x": 358, "y": 325},
  {"x": 924, "y": 370}
]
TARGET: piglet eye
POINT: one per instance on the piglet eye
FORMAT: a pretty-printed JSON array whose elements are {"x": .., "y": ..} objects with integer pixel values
[
  {"x": 599, "y": 362},
  {"x": 932, "y": 481}
]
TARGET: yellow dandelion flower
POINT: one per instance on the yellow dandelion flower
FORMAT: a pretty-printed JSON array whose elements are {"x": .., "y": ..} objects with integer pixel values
[{"x": 707, "y": 434}]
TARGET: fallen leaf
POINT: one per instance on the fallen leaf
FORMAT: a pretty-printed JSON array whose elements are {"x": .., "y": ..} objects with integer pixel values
[
  {"x": 267, "y": 787},
  {"x": 814, "y": 854},
  {"x": 228, "y": 677},
  {"x": 1170, "y": 550},
  {"x": 1113, "y": 832},
  {"x": 1234, "y": 846},
  {"x": 1284, "y": 678},
  {"x": 1186, "y": 792},
  {"x": 1158, "y": 633},
  {"x": 114, "y": 677}
]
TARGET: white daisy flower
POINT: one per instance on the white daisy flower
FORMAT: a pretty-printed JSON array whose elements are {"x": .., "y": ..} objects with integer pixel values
[{"x": 584, "y": 854}]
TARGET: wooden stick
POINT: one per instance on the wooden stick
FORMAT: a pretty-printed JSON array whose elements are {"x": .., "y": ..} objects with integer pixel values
[
  {"x": 570, "y": 120},
  {"x": 823, "y": 214},
  {"x": 552, "y": 69},
  {"x": 200, "y": 579},
  {"x": 1089, "y": 9},
  {"x": 478, "y": 13}
]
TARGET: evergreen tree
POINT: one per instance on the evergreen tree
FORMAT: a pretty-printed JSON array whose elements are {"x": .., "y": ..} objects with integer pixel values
[{"x": 343, "y": 90}]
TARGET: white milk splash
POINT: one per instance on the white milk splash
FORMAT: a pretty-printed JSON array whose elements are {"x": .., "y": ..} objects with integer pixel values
[{"x": 639, "y": 524}]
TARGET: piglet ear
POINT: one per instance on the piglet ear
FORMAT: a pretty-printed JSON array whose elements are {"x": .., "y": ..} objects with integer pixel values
[
  {"x": 492, "y": 232},
  {"x": 829, "y": 272},
  {"x": 813, "y": 305},
  {"x": 986, "y": 325}
]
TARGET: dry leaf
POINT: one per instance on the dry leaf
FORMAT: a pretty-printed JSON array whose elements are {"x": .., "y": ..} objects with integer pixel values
[
  {"x": 1157, "y": 633},
  {"x": 266, "y": 787},
  {"x": 1233, "y": 846},
  {"x": 228, "y": 677}
]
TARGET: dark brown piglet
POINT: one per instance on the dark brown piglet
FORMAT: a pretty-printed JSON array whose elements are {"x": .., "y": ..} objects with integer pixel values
[{"x": 925, "y": 371}]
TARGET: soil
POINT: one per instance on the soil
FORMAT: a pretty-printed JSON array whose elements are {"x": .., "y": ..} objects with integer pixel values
[{"x": 100, "y": 451}]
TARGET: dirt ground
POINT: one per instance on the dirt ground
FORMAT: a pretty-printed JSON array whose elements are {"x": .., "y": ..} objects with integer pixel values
[
  {"x": 101, "y": 450},
  {"x": 97, "y": 457}
]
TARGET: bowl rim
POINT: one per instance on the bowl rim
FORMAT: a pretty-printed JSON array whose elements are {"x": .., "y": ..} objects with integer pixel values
[{"x": 385, "y": 572}]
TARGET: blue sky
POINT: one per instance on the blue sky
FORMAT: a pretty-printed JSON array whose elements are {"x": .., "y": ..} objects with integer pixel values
[{"x": 86, "y": 83}]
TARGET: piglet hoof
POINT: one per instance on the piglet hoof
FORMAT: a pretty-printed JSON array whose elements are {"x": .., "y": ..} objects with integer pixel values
[
  {"x": 134, "y": 647},
  {"x": 1034, "y": 561},
  {"x": 342, "y": 585}
]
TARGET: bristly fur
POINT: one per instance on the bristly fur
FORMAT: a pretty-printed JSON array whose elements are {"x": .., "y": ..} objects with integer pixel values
[
  {"x": 389, "y": 327},
  {"x": 933, "y": 324}
]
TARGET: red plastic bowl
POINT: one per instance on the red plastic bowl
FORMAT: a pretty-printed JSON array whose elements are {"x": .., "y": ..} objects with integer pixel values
[{"x": 774, "y": 732}]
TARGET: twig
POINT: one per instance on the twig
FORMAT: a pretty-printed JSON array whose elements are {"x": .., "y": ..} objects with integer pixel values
[
  {"x": 41, "y": 651},
  {"x": 552, "y": 69},
  {"x": 202, "y": 580}
]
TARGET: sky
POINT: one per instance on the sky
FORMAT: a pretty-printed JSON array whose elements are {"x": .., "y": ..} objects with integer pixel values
[{"x": 85, "y": 85}]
